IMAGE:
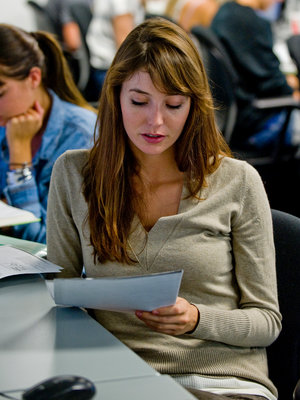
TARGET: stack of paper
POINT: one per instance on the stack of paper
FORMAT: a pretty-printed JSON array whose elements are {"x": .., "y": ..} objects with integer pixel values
[{"x": 16, "y": 262}]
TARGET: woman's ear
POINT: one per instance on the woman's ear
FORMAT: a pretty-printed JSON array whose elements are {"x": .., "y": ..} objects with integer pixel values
[{"x": 35, "y": 77}]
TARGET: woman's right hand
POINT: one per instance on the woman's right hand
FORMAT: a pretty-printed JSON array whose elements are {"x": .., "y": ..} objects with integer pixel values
[{"x": 20, "y": 131}]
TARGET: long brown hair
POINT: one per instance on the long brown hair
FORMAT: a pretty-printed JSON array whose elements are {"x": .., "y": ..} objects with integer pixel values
[
  {"x": 167, "y": 53},
  {"x": 20, "y": 51}
]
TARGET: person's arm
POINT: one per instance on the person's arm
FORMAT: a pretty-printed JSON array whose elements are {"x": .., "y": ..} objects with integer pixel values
[
  {"x": 63, "y": 241},
  {"x": 71, "y": 36},
  {"x": 25, "y": 195},
  {"x": 257, "y": 320},
  {"x": 122, "y": 25},
  {"x": 22, "y": 190},
  {"x": 20, "y": 130},
  {"x": 32, "y": 194}
]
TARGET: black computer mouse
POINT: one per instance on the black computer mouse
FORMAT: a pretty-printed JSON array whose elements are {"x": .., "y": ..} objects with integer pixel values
[{"x": 64, "y": 387}]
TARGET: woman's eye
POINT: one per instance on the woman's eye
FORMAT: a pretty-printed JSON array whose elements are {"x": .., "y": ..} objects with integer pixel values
[
  {"x": 174, "y": 107},
  {"x": 138, "y": 103}
]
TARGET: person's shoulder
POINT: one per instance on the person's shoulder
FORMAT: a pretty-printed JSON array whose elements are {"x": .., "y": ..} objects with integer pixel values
[
  {"x": 67, "y": 173},
  {"x": 227, "y": 7},
  {"x": 79, "y": 116},
  {"x": 234, "y": 162},
  {"x": 72, "y": 161},
  {"x": 75, "y": 109},
  {"x": 240, "y": 171},
  {"x": 237, "y": 168},
  {"x": 232, "y": 10}
]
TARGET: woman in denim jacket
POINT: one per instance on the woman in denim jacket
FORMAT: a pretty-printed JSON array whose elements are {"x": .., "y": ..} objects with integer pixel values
[{"x": 42, "y": 114}]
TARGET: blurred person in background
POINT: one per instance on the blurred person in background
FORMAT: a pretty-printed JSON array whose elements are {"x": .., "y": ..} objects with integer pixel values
[
  {"x": 62, "y": 17},
  {"x": 188, "y": 13},
  {"x": 112, "y": 21},
  {"x": 248, "y": 39},
  {"x": 42, "y": 114}
]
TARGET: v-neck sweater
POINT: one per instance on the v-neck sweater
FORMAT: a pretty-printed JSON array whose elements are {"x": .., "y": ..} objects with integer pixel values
[{"x": 223, "y": 242}]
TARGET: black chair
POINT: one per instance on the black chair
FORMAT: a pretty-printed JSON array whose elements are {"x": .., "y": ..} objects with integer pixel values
[
  {"x": 296, "y": 394},
  {"x": 42, "y": 19},
  {"x": 284, "y": 353},
  {"x": 293, "y": 45},
  {"x": 82, "y": 15}
]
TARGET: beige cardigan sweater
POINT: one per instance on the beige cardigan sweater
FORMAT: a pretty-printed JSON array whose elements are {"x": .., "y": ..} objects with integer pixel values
[{"x": 224, "y": 244}]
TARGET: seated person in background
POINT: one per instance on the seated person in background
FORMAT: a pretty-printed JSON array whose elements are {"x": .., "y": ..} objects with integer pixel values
[
  {"x": 188, "y": 13},
  {"x": 60, "y": 13},
  {"x": 159, "y": 191},
  {"x": 42, "y": 114},
  {"x": 111, "y": 22},
  {"x": 249, "y": 41}
]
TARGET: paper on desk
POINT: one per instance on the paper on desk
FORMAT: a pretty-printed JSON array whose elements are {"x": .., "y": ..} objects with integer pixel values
[
  {"x": 143, "y": 292},
  {"x": 16, "y": 262},
  {"x": 10, "y": 215}
]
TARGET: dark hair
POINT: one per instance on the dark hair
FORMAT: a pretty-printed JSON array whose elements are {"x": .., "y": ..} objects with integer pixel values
[
  {"x": 20, "y": 51},
  {"x": 167, "y": 53}
]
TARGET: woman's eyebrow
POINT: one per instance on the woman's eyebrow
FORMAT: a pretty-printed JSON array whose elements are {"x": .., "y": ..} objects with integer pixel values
[{"x": 138, "y": 91}]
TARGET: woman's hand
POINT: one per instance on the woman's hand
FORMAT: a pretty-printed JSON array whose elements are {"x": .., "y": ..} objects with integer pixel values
[
  {"x": 174, "y": 320},
  {"x": 20, "y": 131}
]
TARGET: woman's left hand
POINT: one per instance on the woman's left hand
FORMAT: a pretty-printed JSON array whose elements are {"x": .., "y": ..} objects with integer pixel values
[{"x": 174, "y": 320}]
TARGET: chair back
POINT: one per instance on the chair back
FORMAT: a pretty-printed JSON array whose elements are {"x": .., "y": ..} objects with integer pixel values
[
  {"x": 82, "y": 15},
  {"x": 284, "y": 353},
  {"x": 293, "y": 45},
  {"x": 42, "y": 19},
  {"x": 222, "y": 78}
]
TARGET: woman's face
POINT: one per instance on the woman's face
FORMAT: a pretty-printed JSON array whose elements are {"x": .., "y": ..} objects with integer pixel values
[
  {"x": 153, "y": 120},
  {"x": 16, "y": 97}
]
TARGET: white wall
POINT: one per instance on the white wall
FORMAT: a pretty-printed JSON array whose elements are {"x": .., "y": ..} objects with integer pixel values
[{"x": 17, "y": 12}]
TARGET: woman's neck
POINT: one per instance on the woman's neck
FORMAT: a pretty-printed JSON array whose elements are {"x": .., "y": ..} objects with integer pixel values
[
  {"x": 159, "y": 169},
  {"x": 44, "y": 98}
]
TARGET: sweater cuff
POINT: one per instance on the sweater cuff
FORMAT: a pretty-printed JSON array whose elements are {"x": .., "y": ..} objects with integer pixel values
[{"x": 198, "y": 319}]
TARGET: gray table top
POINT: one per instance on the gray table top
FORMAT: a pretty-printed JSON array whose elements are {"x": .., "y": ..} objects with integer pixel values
[{"x": 39, "y": 340}]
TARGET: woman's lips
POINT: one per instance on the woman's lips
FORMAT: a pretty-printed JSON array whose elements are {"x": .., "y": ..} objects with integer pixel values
[{"x": 152, "y": 138}]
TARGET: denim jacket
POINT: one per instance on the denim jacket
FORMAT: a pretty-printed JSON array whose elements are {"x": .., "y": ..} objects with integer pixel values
[{"x": 68, "y": 127}]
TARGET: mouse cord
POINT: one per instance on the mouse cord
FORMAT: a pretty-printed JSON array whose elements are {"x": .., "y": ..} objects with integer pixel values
[{"x": 7, "y": 396}]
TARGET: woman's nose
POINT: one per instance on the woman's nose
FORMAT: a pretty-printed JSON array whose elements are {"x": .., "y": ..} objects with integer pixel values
[{"x": 155, "y": 117}]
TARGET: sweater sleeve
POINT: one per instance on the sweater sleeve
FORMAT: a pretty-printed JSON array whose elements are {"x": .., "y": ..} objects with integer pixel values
[
  {"x": 63, "y": 241},
  {"x": 257, "y": 320},
  {"x": 25, "y": 195}
]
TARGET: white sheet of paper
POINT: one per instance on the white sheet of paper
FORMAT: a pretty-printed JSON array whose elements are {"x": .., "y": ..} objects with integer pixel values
[
  {"x": 14, "y": 261},
  {"x": 10, "y": 215},
  {"x": 143, "y": 292}
]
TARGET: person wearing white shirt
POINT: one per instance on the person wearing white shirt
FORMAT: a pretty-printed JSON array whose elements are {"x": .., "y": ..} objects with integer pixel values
[{"x": 112, "y": 21}]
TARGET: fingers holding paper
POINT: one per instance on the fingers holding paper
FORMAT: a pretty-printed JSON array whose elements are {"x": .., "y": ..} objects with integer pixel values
[{"x": 180, "y": 318}]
